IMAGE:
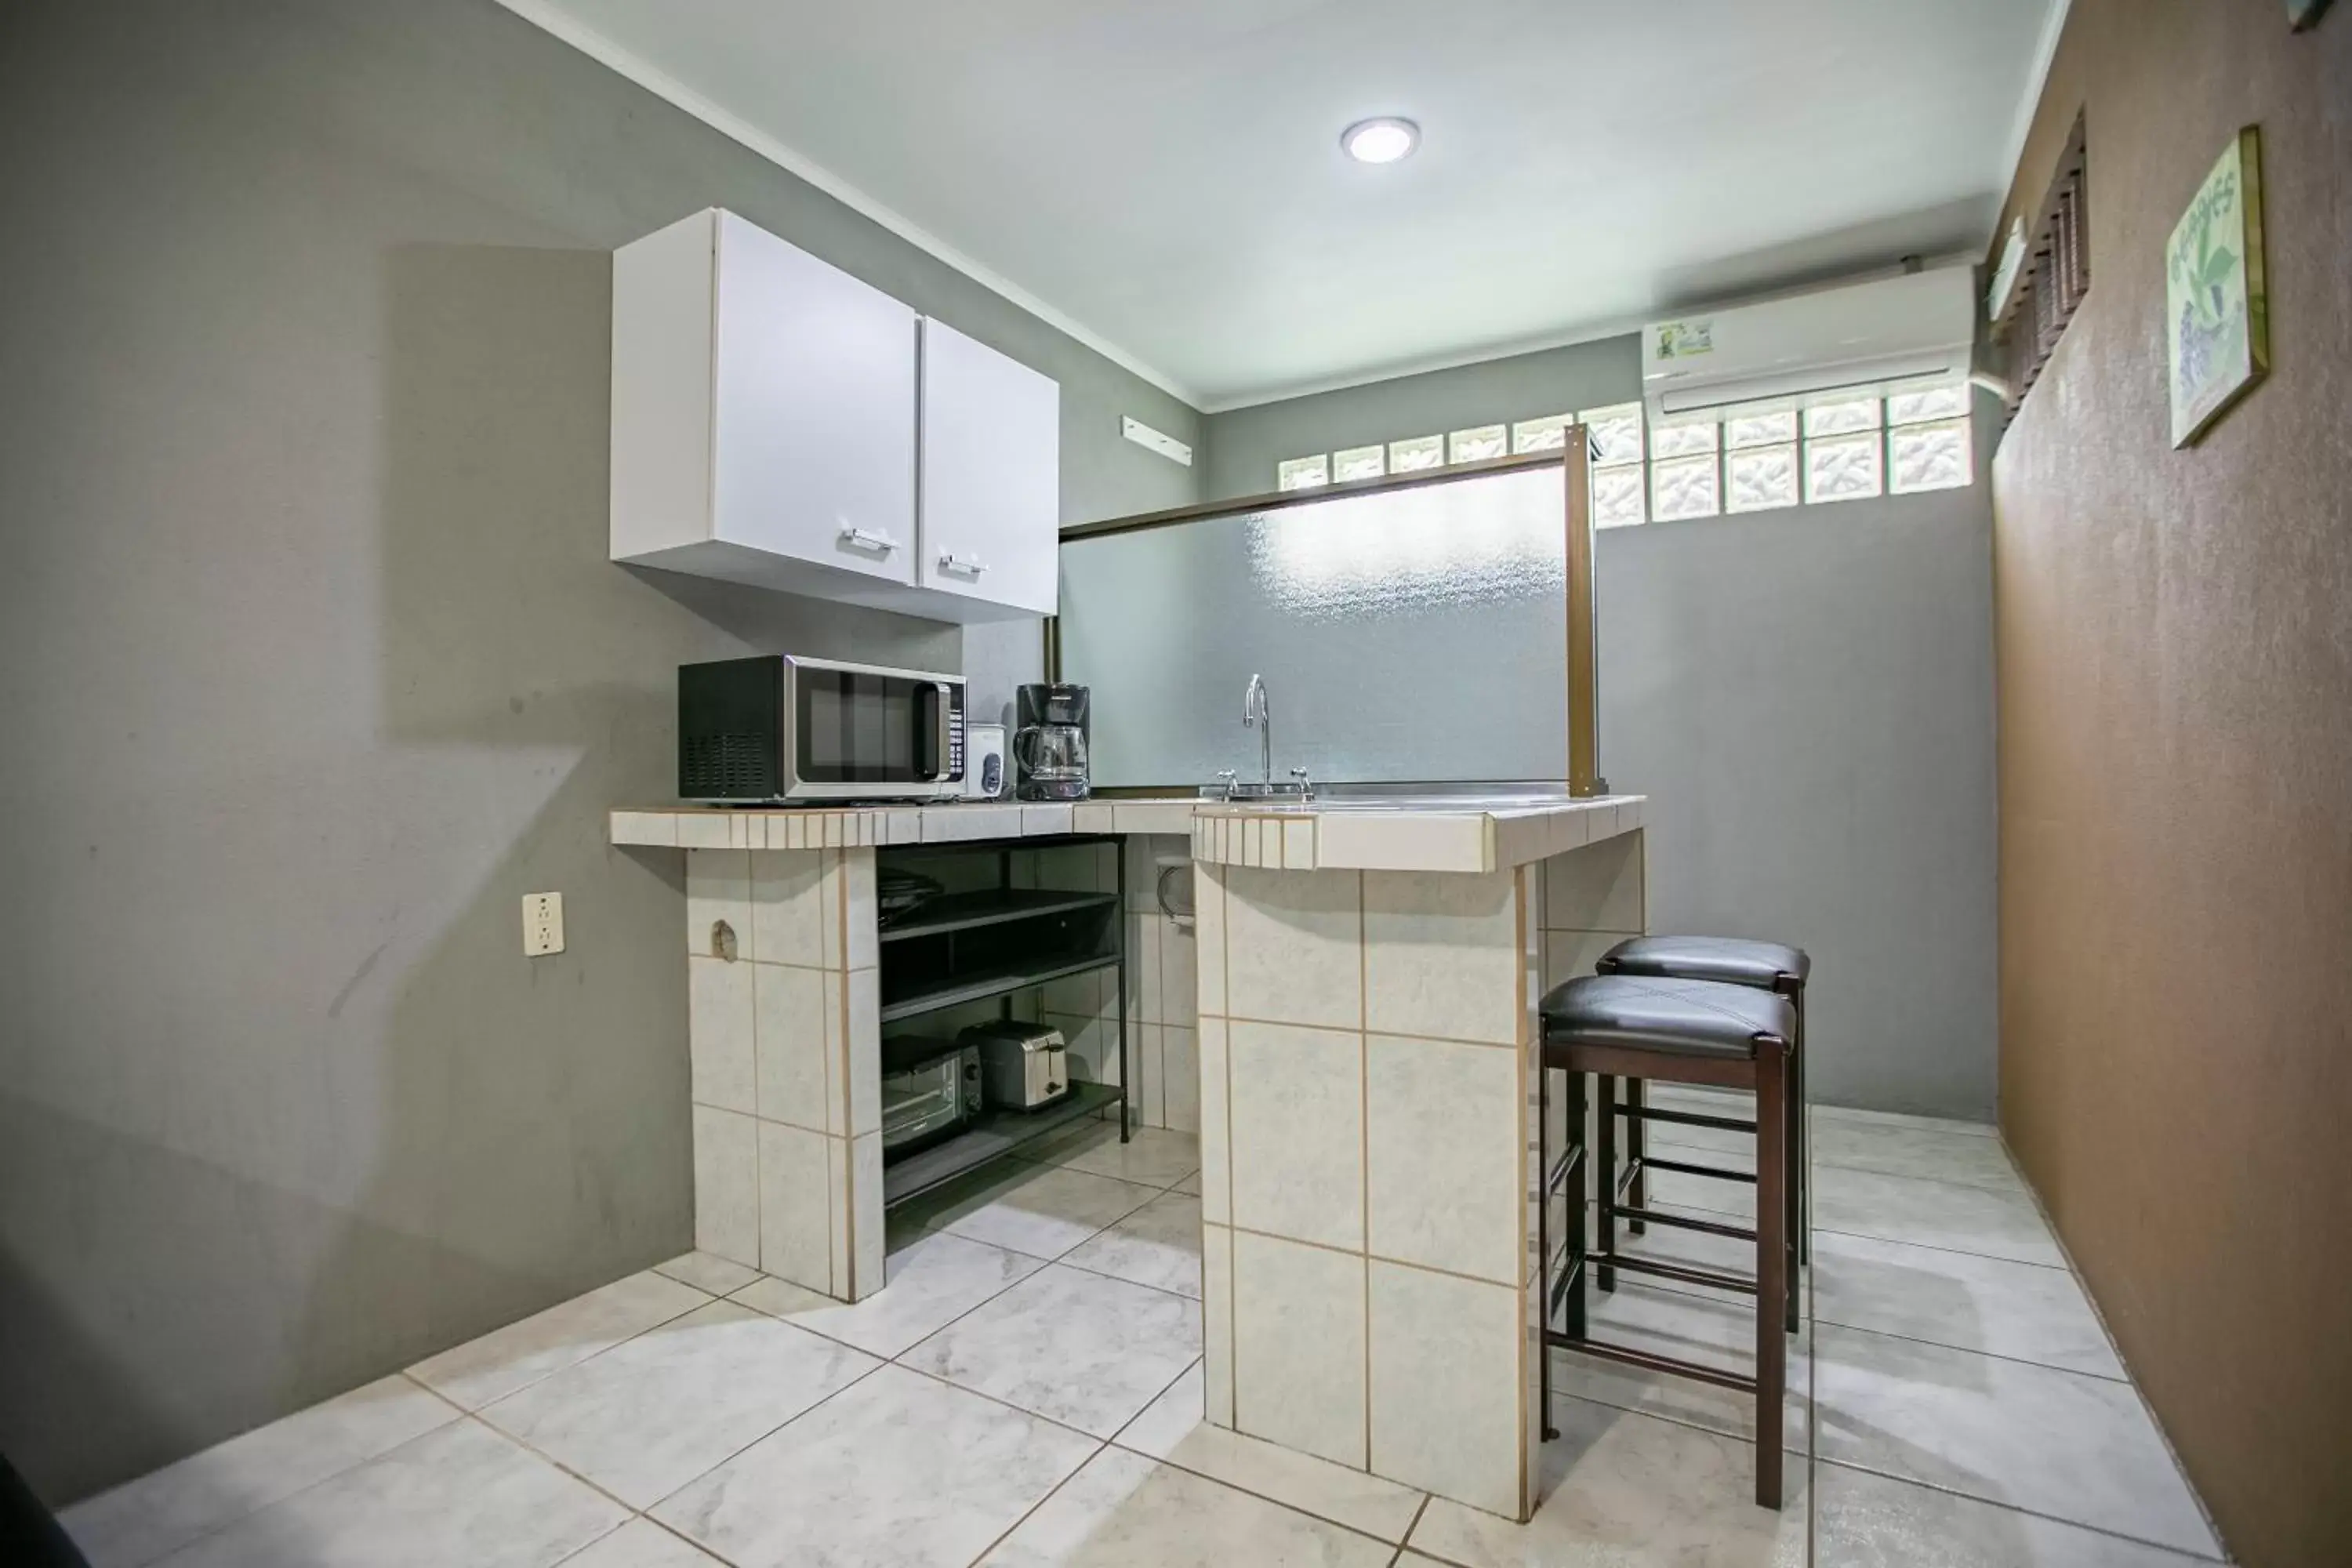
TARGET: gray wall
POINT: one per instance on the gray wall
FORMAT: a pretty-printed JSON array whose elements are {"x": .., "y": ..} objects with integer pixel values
[
  {"x": 1807, "y": 698},
  {"x": 1245, "y": 443},
  {"x": 311, "y": 664}
]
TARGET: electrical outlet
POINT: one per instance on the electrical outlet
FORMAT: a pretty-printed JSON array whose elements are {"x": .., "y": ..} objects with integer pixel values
[{"x": 543, "y": 924}]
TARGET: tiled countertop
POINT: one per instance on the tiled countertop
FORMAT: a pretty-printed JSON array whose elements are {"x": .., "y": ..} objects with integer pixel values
[
  {"x": 1465, "y": 833},
  {"x": 809, "y": 827}
]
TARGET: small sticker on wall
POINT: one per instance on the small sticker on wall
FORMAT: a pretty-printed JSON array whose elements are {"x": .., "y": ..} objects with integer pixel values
[{"x": 1683, "y": 340}]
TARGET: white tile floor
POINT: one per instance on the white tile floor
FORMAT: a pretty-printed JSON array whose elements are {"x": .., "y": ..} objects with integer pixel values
[{"x": 1028, "y": 1392}]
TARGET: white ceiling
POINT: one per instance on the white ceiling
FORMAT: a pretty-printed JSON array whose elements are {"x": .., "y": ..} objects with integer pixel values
[{"x": 1163, "y": 176}]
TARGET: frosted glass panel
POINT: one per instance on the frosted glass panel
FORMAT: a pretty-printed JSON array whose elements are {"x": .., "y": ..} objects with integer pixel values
[{"x": 1407, "y": 635}]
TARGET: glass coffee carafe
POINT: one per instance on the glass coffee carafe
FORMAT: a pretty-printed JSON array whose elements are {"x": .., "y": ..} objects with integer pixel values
[{"x": 1050, "y": 745}]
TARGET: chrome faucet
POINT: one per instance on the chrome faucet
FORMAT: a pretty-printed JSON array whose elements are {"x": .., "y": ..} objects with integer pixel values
[
  {"x": 1256, "y": 710},
  {"x": 1257, "y": 713}
]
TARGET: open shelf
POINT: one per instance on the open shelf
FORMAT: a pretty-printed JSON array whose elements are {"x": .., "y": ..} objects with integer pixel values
[
  {"x": 991, "y": 1135},
  {"x": 994, "y": 906},
  {"x": 979, "y": 985}
]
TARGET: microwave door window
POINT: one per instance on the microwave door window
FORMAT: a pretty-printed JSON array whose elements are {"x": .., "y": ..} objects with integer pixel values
[{"x": 856, "y": 728}]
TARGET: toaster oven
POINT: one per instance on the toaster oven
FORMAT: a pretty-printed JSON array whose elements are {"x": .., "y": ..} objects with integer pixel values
[{"x": 929, "y": 1089}]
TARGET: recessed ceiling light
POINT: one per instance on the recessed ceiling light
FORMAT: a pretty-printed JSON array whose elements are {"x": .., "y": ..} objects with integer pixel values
[{"x": 1382, "y": 141}]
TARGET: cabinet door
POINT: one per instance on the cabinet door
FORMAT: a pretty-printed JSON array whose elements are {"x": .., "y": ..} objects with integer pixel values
[
  {"x": 991, "y": 474},
  {"x": 813, "y": 408}
]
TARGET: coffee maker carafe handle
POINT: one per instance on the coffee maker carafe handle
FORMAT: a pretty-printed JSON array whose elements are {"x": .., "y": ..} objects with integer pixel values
[{"x": 1025, "y": 743}]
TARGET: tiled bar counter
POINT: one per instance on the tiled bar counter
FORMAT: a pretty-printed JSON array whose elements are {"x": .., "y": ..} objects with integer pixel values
[
  {"x": 783, "y": 1026},
  {"x": 1368, "y": 981},
  {"x": 1361, "y": 1077}
]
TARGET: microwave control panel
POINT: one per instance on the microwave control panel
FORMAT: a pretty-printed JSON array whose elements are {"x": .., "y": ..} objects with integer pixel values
[{"x": 955, "y": 689}]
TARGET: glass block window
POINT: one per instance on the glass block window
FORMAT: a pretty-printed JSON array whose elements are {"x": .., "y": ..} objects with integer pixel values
[
  {"x": 1760, "y": 478},
  {"x": 1685, "y": 487},
  {"x": 1302, "y": 473},
  {"x": 1761, "y": 430},
  {"x": 1939, "y": 403},
  {"x": 1681, "y": 441},
  {"x": 1842, "y": 467},
  {"x": 1476, "y": 445},
  {"x": 1840, "y": 418},
  {"x": 1616, "y": 432},
  {"x": 1617, "y": 498},
  {"x": 1416, "y": 453},
  {"x": 1548, "y": 434},
  {"x": 1757, "y": 457},
  {"x": 1620, "y": 490},
  {"x": 1930, "y": 457}
]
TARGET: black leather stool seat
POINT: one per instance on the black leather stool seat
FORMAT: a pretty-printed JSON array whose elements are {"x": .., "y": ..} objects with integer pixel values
[
  {"x": 1680, "y": 1017},
  {"x": 1734, "y": 961}
]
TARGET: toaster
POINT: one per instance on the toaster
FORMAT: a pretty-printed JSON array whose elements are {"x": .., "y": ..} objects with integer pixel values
[{"x": 1022, "y": 1066}]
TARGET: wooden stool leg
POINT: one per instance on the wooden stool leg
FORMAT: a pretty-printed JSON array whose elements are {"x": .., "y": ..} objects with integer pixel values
[
  {"x": 1576, "y": 1251},
  {"x": 1604, "y": 1176},
  {"x": 1637, "y": 1149},
  {"x": 1772, "y": 1282},
  {"x": 1801, "y": 1155}
]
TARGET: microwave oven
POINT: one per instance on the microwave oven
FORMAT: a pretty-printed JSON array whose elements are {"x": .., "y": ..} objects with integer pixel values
[{"x": 779, "y": 727}]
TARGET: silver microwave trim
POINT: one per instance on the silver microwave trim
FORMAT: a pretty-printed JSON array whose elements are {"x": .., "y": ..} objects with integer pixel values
[{"x": 953, "y": 719}]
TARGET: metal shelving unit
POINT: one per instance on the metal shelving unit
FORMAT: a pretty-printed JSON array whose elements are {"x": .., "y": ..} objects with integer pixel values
[{"x": 991, "y": 920}]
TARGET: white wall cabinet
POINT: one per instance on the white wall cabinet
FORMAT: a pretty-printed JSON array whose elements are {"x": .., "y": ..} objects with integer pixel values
[
  {"x": 990, "y": 442},
  {"x": 771, "y": 416}
]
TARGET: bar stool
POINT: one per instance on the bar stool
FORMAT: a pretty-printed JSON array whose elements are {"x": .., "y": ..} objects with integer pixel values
[
  {"x": 1671, "y": 1031},
  {"x": 1730, "y": 961}
]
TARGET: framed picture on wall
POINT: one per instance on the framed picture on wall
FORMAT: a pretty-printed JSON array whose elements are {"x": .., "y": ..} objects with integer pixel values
[{"x": 2217, "y": 319}]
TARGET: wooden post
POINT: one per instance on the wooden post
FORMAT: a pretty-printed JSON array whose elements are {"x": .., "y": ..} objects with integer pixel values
[{"x": 1583, "y": 652}]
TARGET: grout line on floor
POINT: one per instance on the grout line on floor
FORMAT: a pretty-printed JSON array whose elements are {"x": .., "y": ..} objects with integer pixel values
[
  {"x": 1820, "y": 1230},
  {"x": 1813, "y": 1374},
  {"x": 1969, "y": 1350},
  {"x": 2099, "y": 1315},
  {"x": 1053, "y": 1492},
  {"x": 1417, "y": 1515},
  {"x": 1557, "y": 1393},
  {"x": 2181, "y": 1553},
  {"x": 739, "y": 1452},
  {"x": 1229, "y": 1485}
]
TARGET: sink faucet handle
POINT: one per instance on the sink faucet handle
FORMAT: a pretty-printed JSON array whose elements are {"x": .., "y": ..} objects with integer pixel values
[
  {"x": 1228, "y": 775},
  {"x": 1306, "y": 784}
]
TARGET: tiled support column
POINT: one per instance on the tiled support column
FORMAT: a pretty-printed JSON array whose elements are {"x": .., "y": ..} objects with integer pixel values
[
  {"x": 1365, "y": 1040},
  {"x": 1594, "y": 897},
  {"x": 785, "y": 1038}
]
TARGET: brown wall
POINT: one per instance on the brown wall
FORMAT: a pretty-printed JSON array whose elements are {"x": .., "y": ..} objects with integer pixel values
[{"x": 2175, "y": 662}]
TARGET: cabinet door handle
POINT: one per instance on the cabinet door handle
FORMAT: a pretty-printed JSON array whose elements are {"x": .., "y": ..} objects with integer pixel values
[
  {"x": 864, "y": 539},
  {"x": 951, "y": 562}
]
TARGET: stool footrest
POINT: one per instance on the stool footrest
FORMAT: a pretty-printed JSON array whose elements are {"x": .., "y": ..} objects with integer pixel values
[
  {"x": 1688, "y": 1274},
  {"x": 1684, "y": 1222},
  {"x": 1563, "y": 1168},
  {"x": 1649, "y": 1362},
  {"x": 1655, "y": 1164},
  {"x": 1562, "y": 1281},
  {"x": 1687, "y": 1118}
]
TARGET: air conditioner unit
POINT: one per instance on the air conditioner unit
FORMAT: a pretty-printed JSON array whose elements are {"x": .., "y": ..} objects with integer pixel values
[{"x": 1858, "y": 340}]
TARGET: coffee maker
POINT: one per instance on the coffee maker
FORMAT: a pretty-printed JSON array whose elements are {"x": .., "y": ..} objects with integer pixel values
[{"x": 1050, "y": 742}]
